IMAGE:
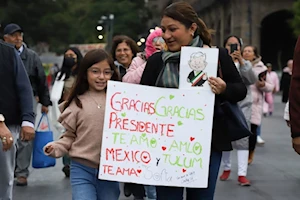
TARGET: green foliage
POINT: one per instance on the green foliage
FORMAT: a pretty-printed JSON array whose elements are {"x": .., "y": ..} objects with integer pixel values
[
  {"x": 63, "y": 22},
  {"x": 296, "y": 21}
]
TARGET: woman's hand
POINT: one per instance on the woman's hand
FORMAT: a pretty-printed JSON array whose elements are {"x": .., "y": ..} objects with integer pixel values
[
  {"x": 260, "y": 84},
  {"x": 217, "y": 85},
  {"x": 236, "y": 55},
  {"x": 49, "y": 148}
]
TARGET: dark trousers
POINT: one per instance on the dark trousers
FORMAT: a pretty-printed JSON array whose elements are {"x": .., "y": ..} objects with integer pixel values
[
  {"x": 176, "y": 193},
  {"x": 253, "y": 137}
]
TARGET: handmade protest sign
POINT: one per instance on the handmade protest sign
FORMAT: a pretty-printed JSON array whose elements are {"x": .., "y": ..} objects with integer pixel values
[
  {"x": 156, "y": 136},
  {"x": 196, "y": 66}
]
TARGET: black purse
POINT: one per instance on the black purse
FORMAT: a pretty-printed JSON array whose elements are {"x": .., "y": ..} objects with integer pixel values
[
  {"x": 235, "y": 121},
  {"x": 235, "y": 118}
]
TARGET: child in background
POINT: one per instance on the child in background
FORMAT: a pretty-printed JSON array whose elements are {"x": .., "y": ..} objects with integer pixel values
[
  {"x": 82, "y": 117},
  {"x": 154, "y": 43}
]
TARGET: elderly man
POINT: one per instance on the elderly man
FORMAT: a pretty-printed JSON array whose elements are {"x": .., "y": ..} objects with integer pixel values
[
  {"x": 13, "y": 34},
  {"x": 16, "y": 114}
]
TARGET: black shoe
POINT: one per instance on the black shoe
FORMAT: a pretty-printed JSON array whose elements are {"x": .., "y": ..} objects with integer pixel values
[
  {"x": 66, "y": 170},
  {"x": 127, "y": 190}
]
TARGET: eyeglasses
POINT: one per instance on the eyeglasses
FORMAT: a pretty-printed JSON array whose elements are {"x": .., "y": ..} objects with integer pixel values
[
  {"x": 97, "y": 72},
  {"x": 158, "y": 39}
]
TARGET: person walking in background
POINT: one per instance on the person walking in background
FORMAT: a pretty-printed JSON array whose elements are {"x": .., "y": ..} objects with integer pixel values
[
  {"x": 249, "y": 78},
  {"x": 123, "y": 50},
  {"x": 264, "y": 84},
  {"x": 294, "y": 100},
  {"x": 16, "y": 114},
  {"x": 181, "y": 26},
  {"x": 13, "y": 34},
  {"x": 154, "y": 43},
  {"x": 68, "y": 74},
  {"x": 83, "y": 118},
  {"x": 285, "y": 81},
  {"x": 269, "y": 96}
]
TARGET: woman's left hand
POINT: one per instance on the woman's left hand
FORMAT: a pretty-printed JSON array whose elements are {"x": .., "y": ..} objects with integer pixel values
[{"x": 217, "y": 85}]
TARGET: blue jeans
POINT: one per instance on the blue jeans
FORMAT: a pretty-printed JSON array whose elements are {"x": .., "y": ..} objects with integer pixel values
[
  {"x": 176, "y": 193},
  {"x": 86, "y": 185}
]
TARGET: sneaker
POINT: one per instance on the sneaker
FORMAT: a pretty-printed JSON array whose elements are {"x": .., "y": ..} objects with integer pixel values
[
  {"x": 243, "y": 181},
  {"x": 21, "y": 181},
  {"x": 225, "y": 175},
  {"x": 66, "y": 170},
  {"x": 260, "y": 140}
]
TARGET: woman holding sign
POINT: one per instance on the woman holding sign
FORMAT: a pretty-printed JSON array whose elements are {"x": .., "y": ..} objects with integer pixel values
[
  {"x": 182, "y": 27},
  {"x": 83, "y": 118}
]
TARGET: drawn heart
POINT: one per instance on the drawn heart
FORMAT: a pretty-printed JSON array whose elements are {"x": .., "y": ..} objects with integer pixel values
[
  {"x": 144, "y": 135},
  {"x": 145, "y": 157},
  {"x": 192, "y": 138},
  {"x": 153, "y": 141},
  {"x": 123, "y": 114},
  {"x": 139, "y": 171},
  {"x": 171, "y": 97},
  {"x": 183, "y": 170},
  {"x": 163, "y": 148},
  {"x": 179, "y": 123}
]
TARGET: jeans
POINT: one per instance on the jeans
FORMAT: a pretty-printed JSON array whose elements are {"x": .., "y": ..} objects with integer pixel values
[
  {"x": 7, "y": 166},
  {"x": 253, "y": 137},
  {"x": 138, "y": 191},
  {"x": 86, "y": 185},
  {"x": 176, "y": 193}
]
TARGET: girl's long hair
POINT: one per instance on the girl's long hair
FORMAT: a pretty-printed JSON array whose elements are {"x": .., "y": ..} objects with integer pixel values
[{"x": 81, "y": 85}]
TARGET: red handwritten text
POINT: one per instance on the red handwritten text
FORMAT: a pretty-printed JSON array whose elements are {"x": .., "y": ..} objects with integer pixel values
[{"x": 121, "y": 155}]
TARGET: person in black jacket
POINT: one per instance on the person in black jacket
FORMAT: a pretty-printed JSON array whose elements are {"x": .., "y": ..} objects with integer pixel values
[
  {"x": 182, "y": 27},
  {"x": 13, "y": 34},
  {"x": 16, "y": 114}
]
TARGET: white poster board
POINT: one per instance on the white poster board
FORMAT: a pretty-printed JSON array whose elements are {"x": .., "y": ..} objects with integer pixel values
[
  {"x": 196, "y": 66},
  {"x": 157, "y": 136}
]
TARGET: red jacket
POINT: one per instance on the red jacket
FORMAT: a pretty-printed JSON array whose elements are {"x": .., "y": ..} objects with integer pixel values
[{"x": 294, "y": 95}]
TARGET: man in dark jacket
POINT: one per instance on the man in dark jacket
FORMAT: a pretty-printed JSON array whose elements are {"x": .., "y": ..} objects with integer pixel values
[
  {"x": 13, "y": 34},
  {"x": 16, "y": 114},
  {"x": 294, "y": 99}
]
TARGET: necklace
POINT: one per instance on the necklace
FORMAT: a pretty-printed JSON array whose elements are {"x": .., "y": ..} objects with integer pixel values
[{"x": 98, "y": 105}]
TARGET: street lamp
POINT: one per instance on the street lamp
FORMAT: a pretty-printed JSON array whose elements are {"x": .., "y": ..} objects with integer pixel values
[
  {"x": 108, "y": 21},
  {"x": 100, "y": 37},
  {"x": 142, "y": 40},
  {"x": 99, "y": 28}
]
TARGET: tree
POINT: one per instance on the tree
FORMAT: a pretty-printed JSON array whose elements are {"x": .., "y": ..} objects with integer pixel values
[
  {"x": 63, "y": 22},
  {"x": 296, "y": 21}
]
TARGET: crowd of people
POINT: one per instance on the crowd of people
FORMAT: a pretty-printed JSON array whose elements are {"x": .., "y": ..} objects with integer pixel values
[{"x": 245, "y": 80}]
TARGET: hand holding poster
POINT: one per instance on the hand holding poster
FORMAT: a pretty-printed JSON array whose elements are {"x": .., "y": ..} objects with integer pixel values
[{"x": 157, "y": 136}]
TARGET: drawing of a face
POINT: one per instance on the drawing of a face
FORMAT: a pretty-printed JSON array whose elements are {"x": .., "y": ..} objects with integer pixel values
[{"x": 197, "y": 61}]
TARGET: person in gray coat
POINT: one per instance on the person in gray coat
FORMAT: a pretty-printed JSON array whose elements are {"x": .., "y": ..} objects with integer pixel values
[
  {"x": 234, "y": 44},
  {"x": 13, "y": 34}
]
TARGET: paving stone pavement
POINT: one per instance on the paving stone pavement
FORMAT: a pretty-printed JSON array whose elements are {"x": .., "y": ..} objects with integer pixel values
[{"x": 275, "y": 172}]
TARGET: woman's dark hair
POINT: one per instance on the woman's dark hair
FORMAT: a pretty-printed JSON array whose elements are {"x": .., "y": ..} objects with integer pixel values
[
  {"x": 185, "y": 14},
  {"x": 67, "y": 70},
  {"x": 123, "y": 38},
  {"x": 255, "y": 50},
  {"x": 81, "y": 85},
  {"x": 230, "y": 36}
]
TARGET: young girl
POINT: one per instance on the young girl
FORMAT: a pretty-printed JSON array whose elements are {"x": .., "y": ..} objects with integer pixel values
[{"x": 83, "y": 116}]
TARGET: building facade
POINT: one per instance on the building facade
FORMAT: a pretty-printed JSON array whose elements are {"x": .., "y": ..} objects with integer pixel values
[{"x": 262, "y": 23}]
